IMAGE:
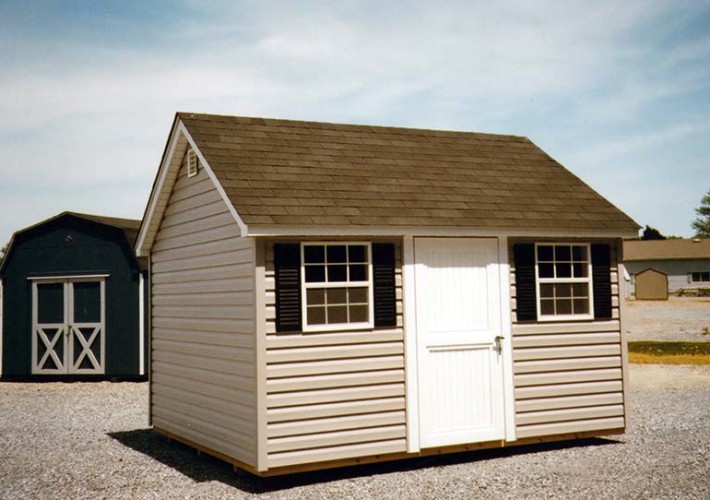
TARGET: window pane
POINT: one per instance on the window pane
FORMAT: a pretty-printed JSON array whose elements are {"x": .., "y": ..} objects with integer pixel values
[
  {"x": 87, "y": 302},
  {"x": 563, "y": 290},
  {"x": 546, "y": 270},
  {"x": 337, "y": 273},
  {"x": 581, "y": 306},
  {"x": 579, "y": 254},
  {"x": 358, "y": 272},
  {"x": 357, "y": 295},
  {"x": 564, "y": 306},
  {"x": 315, "y": 296},
  {"x": 580, "y": 270},
  {"x": 315, "y": 274},
  {"x": 313, "y": 254},
  {"x": 544, "y": 253},
  {"x": 337, "y": 314},
  {"x": 50, "y": 307},
  {"x": 336, "y": 253},
  {"x": 337, "y": 296},
  {"x": 563, "y": 253},
  {"x": 358, "y": 314},
  {"x": 547, "y": 307},
  {"x": 563, "y": 270},
  {"x": 580, "y": 290},
  {"x": 357, "y": 253},
  {"x": 547, "y": 290},
  {"x": 315, "y": 316}
]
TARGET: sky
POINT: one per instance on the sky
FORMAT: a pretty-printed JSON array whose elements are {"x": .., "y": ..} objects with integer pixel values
[{"x": 618, "y": 92}]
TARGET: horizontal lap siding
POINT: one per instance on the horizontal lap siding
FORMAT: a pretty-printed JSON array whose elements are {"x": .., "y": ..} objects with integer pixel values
[
  {"x": 203, "y": 341},
  {"x": 568, "y": 376},
  {"x": 333, "y": 395}
]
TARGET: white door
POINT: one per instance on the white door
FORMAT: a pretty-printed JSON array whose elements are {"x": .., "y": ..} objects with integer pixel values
[
  {"x": 68, "y": 333},
  {"x": 458, "y": 341}
]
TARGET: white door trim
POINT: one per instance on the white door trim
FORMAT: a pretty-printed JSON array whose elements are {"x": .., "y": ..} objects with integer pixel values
[
  {"x": 411, "y": 371},
  {"x": 506, "y": 325}
]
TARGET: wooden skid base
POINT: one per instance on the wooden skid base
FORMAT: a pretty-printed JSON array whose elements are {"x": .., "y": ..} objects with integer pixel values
[{"x": 293, "y": 469}]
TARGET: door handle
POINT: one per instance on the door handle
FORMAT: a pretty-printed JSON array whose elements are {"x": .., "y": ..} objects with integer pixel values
[{"x": 499, "y": 343}]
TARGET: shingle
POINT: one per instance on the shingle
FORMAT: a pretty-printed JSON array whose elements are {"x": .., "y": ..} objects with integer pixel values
[{"x": 281, "y": 172}]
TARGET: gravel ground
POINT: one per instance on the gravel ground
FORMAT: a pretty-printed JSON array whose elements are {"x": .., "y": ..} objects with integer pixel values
[
  {"x": 91, "y": 440},
  {"x": 679, "y": 318}
]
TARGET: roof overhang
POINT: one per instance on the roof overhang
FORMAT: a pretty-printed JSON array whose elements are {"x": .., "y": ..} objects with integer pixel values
[
  {"x": 336, "y": 231},
  {"x": 179, "y": 141}
]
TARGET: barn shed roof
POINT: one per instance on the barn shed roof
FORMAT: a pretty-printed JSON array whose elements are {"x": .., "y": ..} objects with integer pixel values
[
  {"x": 130, "y": 228},
  {"x": 296, "y": 173}
]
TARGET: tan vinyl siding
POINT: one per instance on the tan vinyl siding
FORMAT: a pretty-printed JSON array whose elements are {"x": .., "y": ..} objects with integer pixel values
[
  {"x": 332, "y": 395},
  {"x": 568, "y": 377},
  {"x": 203, "y": 323}
]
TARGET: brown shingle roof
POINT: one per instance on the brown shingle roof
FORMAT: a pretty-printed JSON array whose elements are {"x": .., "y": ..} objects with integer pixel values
[
  {"x": 675, "y": 249},
  {"x": 293, "y": 173}
]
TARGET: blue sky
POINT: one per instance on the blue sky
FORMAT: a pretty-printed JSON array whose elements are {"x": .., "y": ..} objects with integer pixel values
[{"x": 618, "y": 92}]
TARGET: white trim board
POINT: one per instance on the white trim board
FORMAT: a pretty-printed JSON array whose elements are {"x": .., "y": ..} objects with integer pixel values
[
  {"x": 242, "y": 227},
  {"x": 67, "y": 277},
  {"x": 160, "y": 191}
]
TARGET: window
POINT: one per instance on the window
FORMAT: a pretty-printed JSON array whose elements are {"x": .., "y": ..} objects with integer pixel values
[
  {"x": 336, "y": 285},
  {"x": 699, "y": 277},
  {"x": 564, "y": 281}
]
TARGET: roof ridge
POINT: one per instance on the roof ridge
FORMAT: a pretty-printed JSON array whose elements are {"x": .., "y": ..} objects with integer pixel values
[{"x": 351, "y": 126}]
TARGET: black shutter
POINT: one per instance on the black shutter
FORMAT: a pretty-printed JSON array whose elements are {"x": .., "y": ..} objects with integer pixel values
[
  {"x": 525, "y": 292},
  {"x": 287, "y": 265},
  {"x": 383, "y": 283},
  {"x": 601, "y": 278}
]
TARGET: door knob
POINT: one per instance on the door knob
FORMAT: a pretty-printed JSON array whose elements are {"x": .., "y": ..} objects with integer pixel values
[{"x": 499, "y": 343}]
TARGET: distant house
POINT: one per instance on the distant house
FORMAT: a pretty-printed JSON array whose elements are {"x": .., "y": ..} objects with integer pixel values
[
  {"x": 328, "y": 294},
  {"x": 686, "y": 262},
  {"x": 72, "y": 300}
]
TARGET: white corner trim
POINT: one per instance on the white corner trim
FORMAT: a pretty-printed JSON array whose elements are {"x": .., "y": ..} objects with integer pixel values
[
  {"x": 141, "y": 327},
  {"x": 242, "y": 227},
  {"x": 155, "y": 194},
  {"x": 2, "y": 321},
  {"x": 411, "y": 370},
  {"x": 506, "y": 332}
]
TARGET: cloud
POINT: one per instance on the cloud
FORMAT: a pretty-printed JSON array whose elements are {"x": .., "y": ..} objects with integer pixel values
[{"x": 88, "y": 96}]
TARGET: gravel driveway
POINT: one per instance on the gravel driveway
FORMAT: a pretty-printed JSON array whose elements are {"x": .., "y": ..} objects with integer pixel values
[
  {"x": 90, "y": 440},
  {"x": 678, "y": 318}
]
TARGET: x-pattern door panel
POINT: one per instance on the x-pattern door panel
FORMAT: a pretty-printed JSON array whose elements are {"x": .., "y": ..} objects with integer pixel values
[{"x": 68, "y": 334}]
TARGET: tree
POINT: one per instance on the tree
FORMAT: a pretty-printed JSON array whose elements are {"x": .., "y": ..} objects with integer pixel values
[
  {"x": 702, "y": 223},
  {"x": 651, "y": 233}
]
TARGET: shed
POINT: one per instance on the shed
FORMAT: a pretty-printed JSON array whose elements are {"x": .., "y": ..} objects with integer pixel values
[
  {"x": 686, "y": 262},
  {"x": 73, "y": 294},
  {"x": 651, "y": 284},
  {"x": 325, "y": 294}
]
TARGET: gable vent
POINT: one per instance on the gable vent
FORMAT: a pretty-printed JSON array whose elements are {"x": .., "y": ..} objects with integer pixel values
[{"x": 192, "y": 163}]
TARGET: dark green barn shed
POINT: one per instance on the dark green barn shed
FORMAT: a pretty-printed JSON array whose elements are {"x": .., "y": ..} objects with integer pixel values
[{"x": 73, "y": 301}]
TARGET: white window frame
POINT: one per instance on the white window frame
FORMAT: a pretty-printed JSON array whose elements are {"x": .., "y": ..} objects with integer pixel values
[
  {"x": 339, "y": 284},
  {"x": 588, "y": 280},
  {"x": 692, "y": 280}
]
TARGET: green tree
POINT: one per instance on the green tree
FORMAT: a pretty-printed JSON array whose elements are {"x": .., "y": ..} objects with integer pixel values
[
  {"x": 702, "y": 223},
  {"x": 651, "y": 233}
]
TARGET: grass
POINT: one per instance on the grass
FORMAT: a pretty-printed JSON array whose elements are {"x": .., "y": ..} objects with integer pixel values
[{"x": 670, "y": 353}]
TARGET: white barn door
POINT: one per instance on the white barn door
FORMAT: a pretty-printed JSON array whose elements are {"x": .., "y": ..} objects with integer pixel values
[
  {"x": 458, "y": 341},
  {"x": 68, "y": 327}
]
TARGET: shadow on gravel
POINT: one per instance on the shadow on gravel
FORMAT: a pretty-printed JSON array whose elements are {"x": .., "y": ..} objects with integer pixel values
[{"x": 204, "y": 468}]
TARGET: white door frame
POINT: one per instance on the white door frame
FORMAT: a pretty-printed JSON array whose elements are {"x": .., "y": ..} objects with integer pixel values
[
  {"x": 70, "y": 330},
  {"x": 410, "y": 341}
]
